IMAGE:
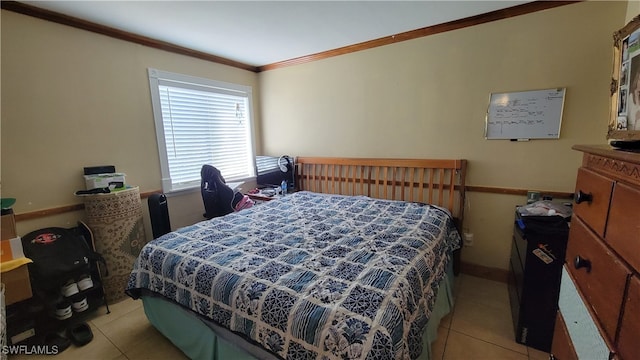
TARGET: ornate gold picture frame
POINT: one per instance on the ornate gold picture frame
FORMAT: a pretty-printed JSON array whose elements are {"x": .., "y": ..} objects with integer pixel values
[{"x": 624, "y": 122}]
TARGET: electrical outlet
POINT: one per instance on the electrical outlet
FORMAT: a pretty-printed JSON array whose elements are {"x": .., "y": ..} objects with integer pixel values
[{"x": 468, "y": 239}]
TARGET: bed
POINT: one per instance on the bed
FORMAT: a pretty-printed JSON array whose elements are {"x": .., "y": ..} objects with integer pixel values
[{"x": 357, "y": 264}]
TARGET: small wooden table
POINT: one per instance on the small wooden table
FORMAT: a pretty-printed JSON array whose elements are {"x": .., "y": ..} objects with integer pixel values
[{"x": 260, "y": 196}]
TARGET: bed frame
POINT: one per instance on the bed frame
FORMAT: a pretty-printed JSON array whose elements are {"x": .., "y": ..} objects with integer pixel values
[{"x": 439, "y": 182}]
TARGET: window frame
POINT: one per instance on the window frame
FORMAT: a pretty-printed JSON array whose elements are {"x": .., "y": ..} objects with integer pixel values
[{"x": 155, "y": 77}]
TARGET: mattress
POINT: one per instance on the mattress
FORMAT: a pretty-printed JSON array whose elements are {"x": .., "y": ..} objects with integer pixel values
[
  {"x": 309, "y": 275},
  {"x": 202, "y": 339}
]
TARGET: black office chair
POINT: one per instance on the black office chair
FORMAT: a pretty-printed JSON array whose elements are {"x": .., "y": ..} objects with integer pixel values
[{"x": 218, "y": 198}]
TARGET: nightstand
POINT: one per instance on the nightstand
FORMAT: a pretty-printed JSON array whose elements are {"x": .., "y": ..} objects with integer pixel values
[{"x": 260, "y": 197}]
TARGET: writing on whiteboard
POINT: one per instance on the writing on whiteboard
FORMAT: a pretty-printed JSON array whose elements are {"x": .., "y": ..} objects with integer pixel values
[{"x": 527, "y": 114}]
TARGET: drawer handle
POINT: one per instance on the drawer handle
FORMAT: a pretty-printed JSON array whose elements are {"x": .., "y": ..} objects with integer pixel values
[
  {"x": 582, "y": 263},
  {"x": 582, "y": 197}
]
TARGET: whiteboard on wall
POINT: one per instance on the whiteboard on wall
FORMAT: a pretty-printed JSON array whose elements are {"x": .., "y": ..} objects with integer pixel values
[{"x": 535, "y": 114}]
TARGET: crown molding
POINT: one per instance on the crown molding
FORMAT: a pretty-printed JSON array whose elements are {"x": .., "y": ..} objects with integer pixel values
[
  {"x": 52, "y": 16},
  {"x": 55, "y": 17},
  {"x": 426, "y": 31}
]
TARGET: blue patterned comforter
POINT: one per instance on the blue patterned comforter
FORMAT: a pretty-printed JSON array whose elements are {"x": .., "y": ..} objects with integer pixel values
[{"x": 310, "y": 276}]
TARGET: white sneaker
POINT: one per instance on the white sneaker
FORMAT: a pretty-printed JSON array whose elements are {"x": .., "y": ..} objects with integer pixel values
[
  {"x": 63, "y": 310},
  {"x": 80, "y": 304},
  {"x": 85, "y": 282},
  {"x": 69, "y": 288}
]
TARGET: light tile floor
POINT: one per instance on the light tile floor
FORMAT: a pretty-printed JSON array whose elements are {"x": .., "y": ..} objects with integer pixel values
[{"x": 479, "y": 327}]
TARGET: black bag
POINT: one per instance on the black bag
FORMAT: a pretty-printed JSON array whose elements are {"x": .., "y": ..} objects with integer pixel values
[
  {"x": 546, "y": 225},
  {"x": 59, "y": 254}
]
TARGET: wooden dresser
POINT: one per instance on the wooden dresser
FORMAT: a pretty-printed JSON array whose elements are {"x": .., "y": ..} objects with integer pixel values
[{"x": 599, "y": 316}]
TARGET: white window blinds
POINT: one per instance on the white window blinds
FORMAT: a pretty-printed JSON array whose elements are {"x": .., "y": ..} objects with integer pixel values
[{"x": 201, "y": 122}]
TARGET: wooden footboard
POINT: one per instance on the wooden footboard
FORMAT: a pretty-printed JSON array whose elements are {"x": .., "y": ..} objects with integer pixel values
[{"x": 437, "y": 182}]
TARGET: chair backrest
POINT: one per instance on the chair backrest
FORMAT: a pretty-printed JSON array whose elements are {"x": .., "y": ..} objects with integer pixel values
[{"x": 217, "y": 197}]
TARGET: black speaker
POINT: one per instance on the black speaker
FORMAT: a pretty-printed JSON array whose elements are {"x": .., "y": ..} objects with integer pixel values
[
  {"x": 104, "y": 169},
  {"x": 159, "y": 214}
]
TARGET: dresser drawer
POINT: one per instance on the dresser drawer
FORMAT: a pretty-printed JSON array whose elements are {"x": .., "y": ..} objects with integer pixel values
[
  {"x": 583, "y": 331},
  {"x": 562, "y": 347},
  {"x": 593, "y": 203},
  {"x": 599, "y": 274},
  {"x": 623, "y": 229},
  {"x": 628, "y": 346}
]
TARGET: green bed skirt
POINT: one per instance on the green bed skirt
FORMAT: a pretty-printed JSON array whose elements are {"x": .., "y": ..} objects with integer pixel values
[{"x": 199, "y": 341}]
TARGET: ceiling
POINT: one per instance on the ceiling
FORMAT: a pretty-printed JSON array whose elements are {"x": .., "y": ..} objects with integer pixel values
[{"x": 258, "y": 33}]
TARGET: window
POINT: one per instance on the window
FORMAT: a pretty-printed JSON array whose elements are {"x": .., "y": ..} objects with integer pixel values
[{"x": 201, "y": 121}]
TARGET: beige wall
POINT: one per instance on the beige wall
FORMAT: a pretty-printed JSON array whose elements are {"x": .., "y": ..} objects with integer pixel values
[
  {"x": 72, "y": 98},
  {"x": 427, "y": 98},
  {"x": 633, "y": 9}
]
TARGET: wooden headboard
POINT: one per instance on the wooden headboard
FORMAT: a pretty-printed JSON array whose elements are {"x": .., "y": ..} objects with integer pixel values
[{"x": 438, "y": 181}]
